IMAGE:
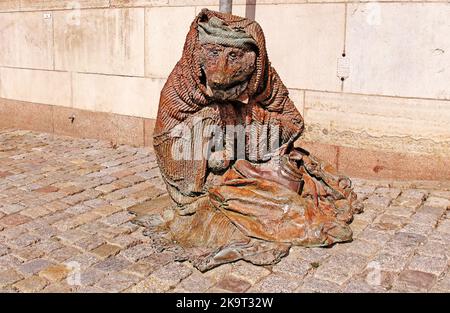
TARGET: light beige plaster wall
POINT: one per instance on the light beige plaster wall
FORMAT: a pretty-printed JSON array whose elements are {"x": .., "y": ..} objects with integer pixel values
[{"x": 114, "y": 56}]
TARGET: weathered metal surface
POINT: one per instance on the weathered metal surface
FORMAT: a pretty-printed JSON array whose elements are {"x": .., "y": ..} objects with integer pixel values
[{"x": 224, "y": 142}]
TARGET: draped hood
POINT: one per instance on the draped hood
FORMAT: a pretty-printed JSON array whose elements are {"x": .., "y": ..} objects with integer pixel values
[{"x": 184, "y": 93}]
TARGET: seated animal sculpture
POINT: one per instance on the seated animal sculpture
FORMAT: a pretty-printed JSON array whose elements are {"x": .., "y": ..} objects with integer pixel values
[{"x": 224, "y": 140}]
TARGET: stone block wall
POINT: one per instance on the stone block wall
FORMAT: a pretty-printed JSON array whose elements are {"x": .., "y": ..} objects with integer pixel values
[{"x": 104, "y": 63}]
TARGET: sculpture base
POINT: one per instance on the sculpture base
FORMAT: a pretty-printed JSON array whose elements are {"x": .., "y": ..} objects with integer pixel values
[
  {"x": 253, "y": 219},
  {"x": 256, "y": 213},
  {"x": 207, "y": 238}
]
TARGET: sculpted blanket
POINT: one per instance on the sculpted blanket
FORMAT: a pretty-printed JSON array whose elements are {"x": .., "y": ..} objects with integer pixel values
[{"x": 224, "y": 140}]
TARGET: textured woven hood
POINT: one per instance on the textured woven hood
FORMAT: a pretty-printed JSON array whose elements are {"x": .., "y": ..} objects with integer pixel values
[
  {"x": 184, "y": 102},
  {"x": 216, "y": 31},
  {"x": 265, "y": 87}
]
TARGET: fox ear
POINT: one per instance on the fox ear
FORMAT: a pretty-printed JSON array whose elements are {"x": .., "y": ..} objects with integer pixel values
[{"x": 203, "y": 16}]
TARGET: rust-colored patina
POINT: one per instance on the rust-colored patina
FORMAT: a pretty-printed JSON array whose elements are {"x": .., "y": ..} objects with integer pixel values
[{"x": 224, "y": 140}]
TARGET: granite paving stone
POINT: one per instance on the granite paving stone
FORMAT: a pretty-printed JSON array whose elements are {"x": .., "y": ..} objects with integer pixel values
[{"x": 64, "y": 227}]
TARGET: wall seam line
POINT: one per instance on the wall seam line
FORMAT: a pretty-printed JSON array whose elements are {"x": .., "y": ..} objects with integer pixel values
[
  {"x": 344, "y": 46},
  {"x": 71, "y": 90},
  {"x": 145, "y": 42},
  {"x": 53, "y": 43},
  {"x": 53, "y": 119},
  {"x": 110, "y": 6},
  {"x": 143, "y": 131},
  {"x": 374, "y": 95}
]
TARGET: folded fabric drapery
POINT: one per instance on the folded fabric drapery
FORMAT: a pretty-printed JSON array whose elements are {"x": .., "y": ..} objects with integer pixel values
[
  {"x": 266, "y": 204},
  {"x": 264, "y": 198}
]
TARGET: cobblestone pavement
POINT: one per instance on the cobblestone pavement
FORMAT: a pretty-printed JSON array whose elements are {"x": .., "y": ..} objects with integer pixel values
[{"x": 64, "y": 227}]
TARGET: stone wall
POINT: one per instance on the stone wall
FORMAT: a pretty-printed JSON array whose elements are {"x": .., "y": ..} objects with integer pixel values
[{"x": 104, "y": 63}]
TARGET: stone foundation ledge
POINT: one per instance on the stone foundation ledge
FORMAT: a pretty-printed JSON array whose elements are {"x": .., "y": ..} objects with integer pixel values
[
  {"x": 47, "y": 5},
  {"x": 137, "y": 131}
]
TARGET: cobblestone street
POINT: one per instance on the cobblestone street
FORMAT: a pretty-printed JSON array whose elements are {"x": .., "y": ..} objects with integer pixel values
[{"x": 64, "y": 227}]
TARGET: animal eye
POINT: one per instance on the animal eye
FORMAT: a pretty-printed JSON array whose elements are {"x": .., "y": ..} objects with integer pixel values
[
  {"x": 214, "y": 52},
  {"x": 232, "y": 55}
]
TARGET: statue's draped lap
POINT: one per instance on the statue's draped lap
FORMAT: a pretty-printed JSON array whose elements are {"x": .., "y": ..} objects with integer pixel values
[{"x": 244, "y": 198}]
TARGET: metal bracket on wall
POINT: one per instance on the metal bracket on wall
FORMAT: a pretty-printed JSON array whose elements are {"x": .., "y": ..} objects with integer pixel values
[{"x": 343, "y": 67}]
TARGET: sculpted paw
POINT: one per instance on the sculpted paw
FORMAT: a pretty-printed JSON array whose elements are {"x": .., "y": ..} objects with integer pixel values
[
  {"x": 218, "y": 162},
  {"x": 191, "y": 208}
]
